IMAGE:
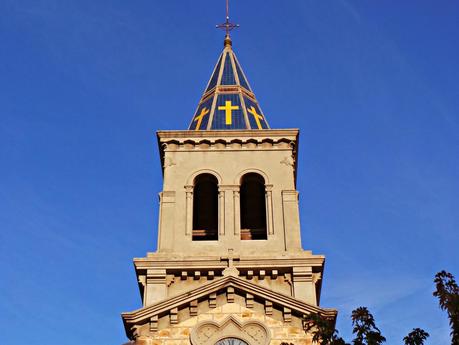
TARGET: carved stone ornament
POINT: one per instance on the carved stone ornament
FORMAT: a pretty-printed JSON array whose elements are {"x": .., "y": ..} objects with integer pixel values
[
  {"x": 168, "y": 163},
  {"x": 210, "y": 332},
  {"x": 289, "y": 161}
]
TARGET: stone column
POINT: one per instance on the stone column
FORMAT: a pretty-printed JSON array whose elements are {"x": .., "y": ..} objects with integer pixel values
[
  {"x": 269, "y": 208},
  {"x": 189, "y": 210},
  {"x": 237, "y": 212},
  {"x": 221, "y": 211},
  {"x": 228, "y": 206}
]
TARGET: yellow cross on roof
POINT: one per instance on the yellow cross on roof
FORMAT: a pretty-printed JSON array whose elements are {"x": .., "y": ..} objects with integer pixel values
[
  {"x": 256, "y": 116},
  {"x": 228, "y": 108},
  {"x": 204, "y": 112}
]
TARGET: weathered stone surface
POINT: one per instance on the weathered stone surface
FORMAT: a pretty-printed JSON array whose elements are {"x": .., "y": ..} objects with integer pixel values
[{"x": 229, "y": 321}]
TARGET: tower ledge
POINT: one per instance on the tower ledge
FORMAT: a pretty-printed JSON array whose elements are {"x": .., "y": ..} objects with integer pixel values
[{"x": 224, "y": 140}]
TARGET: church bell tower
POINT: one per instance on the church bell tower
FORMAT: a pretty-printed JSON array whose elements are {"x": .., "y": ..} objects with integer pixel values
[{"x": 229, "y": 267}]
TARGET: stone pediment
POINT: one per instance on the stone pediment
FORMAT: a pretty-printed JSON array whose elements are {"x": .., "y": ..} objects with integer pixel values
[{"x": 229, "y": 288}]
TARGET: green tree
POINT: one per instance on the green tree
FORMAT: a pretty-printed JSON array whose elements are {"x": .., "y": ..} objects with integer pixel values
[
  {"x": 416, "y": 337},
  {"x": 323, "y": 330},
  {"x": 447, "y": 292},
  {"x": 364, "y": 328}
]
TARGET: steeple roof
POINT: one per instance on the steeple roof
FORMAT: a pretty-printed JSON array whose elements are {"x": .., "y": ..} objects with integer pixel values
[{"x": 228, "y": 101}]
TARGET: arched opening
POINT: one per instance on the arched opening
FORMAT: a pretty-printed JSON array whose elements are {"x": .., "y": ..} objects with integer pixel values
[
  {"x": 205, "y": 208},
  {"x": 253, "y": 207}
]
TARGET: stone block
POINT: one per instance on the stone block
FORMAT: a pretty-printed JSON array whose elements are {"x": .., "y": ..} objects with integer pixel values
[
  {"x": 164, "y": 333},
  {"x": 247, "y": 314},
  {"x": 189, "y": 322},
  {"x": 231, "y": 308},
  {"x": 273, "y": 322},
  {"x": 220, "y": 317},
  {"x": 179, "y": 333},
  {"x": 205, "y": 317}
]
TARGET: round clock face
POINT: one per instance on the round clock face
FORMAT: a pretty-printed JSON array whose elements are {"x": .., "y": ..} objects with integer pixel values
[{"x": 231, "y": 341}]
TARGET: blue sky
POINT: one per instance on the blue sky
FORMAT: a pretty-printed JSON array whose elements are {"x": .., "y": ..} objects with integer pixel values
[{"x": 85, "y": 84}]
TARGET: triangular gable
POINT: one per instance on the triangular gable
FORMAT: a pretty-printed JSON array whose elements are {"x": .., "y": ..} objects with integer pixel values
[{"x": 237, "y": 284}]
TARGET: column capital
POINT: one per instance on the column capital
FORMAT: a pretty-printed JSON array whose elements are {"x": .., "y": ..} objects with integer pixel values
[
  {"x": 156, "y": 276},
  {"x": 302, "y": 274}
]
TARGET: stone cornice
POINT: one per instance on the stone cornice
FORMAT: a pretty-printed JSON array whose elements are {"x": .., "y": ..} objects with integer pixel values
[
  {"x": 229, "y": 140},
  {"x": 227, "y": 143},
  {"x": 230, "y": 134},
  {"x": 211, "y": 262}
]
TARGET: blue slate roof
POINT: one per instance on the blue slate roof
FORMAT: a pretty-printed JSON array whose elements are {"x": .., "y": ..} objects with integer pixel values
[{"x": 228, "y": 101}]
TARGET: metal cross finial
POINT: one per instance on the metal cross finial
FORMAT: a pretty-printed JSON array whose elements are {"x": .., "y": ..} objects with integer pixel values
[{"x": 227, "y": 25}]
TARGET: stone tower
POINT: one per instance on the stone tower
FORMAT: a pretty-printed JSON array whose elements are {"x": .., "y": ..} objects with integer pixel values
[{"x": 229, "y": 268}]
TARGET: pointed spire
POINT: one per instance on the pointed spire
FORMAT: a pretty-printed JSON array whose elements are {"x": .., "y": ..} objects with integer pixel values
[{"x": 228, "y": 101}]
